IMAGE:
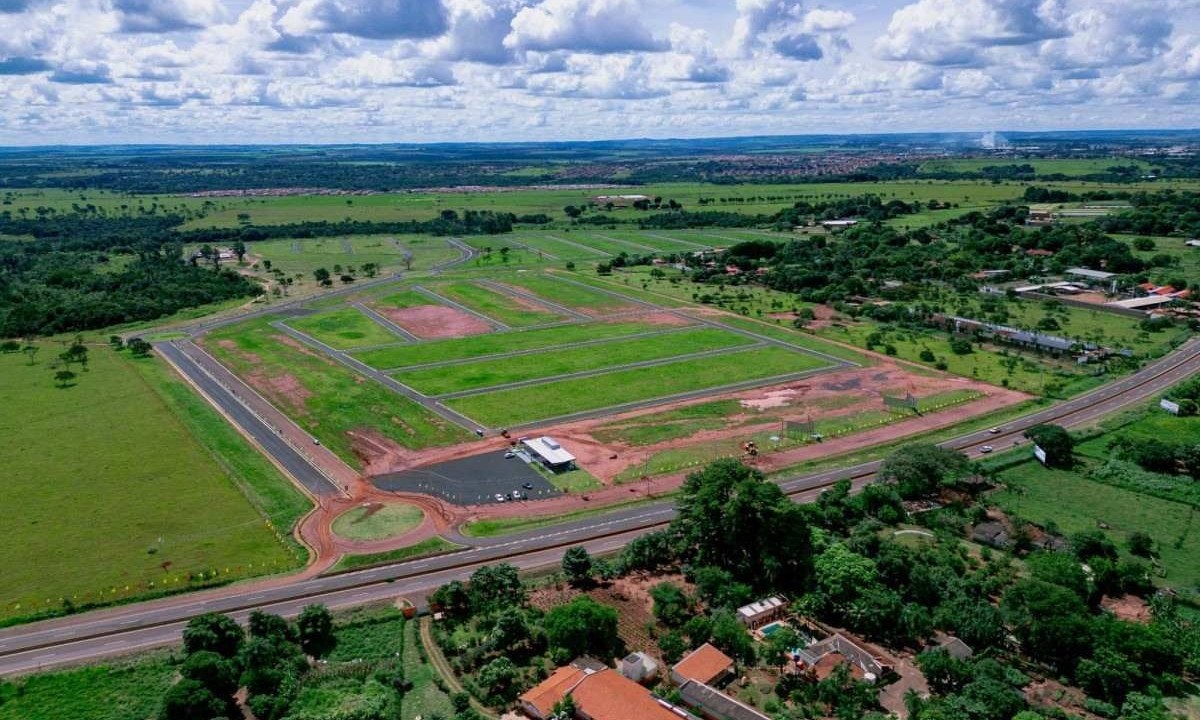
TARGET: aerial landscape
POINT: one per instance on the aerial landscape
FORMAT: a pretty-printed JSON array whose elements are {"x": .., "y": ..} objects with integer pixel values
[{"x": 600, "y": 360}]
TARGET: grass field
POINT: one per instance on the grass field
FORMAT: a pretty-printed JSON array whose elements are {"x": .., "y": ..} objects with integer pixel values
[
  {"x": 494, "y": 343},
  {"x": 425, "y": 548},
  {"x": 1052, "y": 166},
  {"x": 548, "y": 363},
  {"x": 1074, "y": 503},
  {"x": 121, "y": 690},
  {"x": 322, "y": 396},
  {"x": 561, "y": 397},
  {"x": 567, "y": 294},
  {"x": 377, "y": 523},
  {"x": 343, "y": 329},
  {"x": 1186, "y": 259},
  {"x": 342, "y": 254},
  {"x": 110, "y": 495},
  {"x": 495, "y": 305},
  {"x": 404, "y": 299}
]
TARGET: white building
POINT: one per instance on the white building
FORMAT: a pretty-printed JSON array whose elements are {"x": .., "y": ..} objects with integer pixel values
[{"x": 547, "y": 450}]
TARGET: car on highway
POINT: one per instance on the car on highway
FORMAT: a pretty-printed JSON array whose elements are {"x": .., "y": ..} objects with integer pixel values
[
  {"x": 986, "y": 449},
  {"x": 994, "y": 431},
  {"x": 316, "y": 441}
]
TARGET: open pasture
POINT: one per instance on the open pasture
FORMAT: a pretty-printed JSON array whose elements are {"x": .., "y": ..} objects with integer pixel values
[
  {"x": 621, "y": 387},
  {"x": 112, "y": 493},
  {"x": 565, "y": 360}
]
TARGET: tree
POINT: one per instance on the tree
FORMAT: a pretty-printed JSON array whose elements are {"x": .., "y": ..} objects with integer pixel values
[
  {"x": 116, "y": 342},
  {"x": 573, "y": 211},
  {"x": 577, "y": 565},
  {"x": 271, "y": 628},
  {"x": 31, "y": 352},
  {"x": 842, "y": 574},
  {"x": 920, "y": 469},
  {"x": 190, "y": 700},
  {"x": 495, "y": 586},
  {"x": 1062, "y": 570},
  {"x": 216, "y": 633},
  {"x": 1050, "y": 621},
  {"x": 1141, "y": 544},
  {"x": 672, "y": 607},
  {"x": 717, "y": 588},
  {"x": 322, "y": 276},
  {"x": 452, "y": 599},
  {"x": 731, "y": 518},
  {"x": 582, "y": 627},
  {"x": 314, "y": 627},
  {"x": 63, "y": 378},
  {"x": 944, "y": 673},
  {"x": 1088, "y": 545},
  {"x": 1056, "y": 442},
  {"x": 239, "y": 249},
  {"x": 780, "y": 646},
  {"x": 139, "y": 347},
  {"x": 499, "y": 678},
  {"x": 731, "y": 637},
  {"x": 219, "y": 675},
  {"x": 672, "y": 646},
  {"x": 9, "y": 347},
  {"x": 510, "y": 631}
]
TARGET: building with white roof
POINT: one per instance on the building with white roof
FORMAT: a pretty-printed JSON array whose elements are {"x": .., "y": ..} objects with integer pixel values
[
  {"x": 547, "y": 450},
  {"x": 761, "y": 612}
]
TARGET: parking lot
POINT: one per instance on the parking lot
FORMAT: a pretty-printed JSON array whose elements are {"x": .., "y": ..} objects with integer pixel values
[{"x": 471, "y": 480}]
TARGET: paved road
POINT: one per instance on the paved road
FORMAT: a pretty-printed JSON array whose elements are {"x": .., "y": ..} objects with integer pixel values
[
  {"x": 269, "y": 439},
  {"x": 121, "y": 629}
]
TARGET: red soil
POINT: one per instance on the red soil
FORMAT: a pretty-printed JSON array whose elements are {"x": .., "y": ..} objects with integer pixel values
[{"x": 436, "y": 321}]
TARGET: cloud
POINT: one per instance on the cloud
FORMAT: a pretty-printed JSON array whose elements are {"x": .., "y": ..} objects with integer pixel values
[
  {"x": 23, "y": 66},
  {"x": 693, "y": 58},
  {"x": 588, "y": 26},
  {"x": 15, "y": 6},
  {"x": 801, "y": 46},
  {"x": 84, "y": 73},
  {"x": 477, "y": 31},
  {"x": 960, "y": 32},
  {"x": 370, "y": 69},
  {"x": 1110, "y": 35},
  {"x": 607, "y": 77},
  {"x": 822, "y": 20},
  {"x": 160, "y": 16},
  {"x": 372, "y": 19}
]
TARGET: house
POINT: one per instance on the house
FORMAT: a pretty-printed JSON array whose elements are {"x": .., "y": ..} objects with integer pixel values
[
  {"x": 599, "y": 693},
  {"x": 1192, "y": 243},
  {"x": 1039, "y": 252},
  {"x": 1040, "y": 217},
  {"x": 547, "y": 451},
  {"x": 992, "y": 534},
  {"x": 699, "y": 674},
  {"x": 706, "y": 664},
  {"x": 639, "y": 667},
  {"x": 956, "y": 648},
  {"x": 620, "y": 200},
  {"x": 821, "y": 658},
  {"x": 1089, "y": 274},
  {"x": 762, "y": 612},
  {"x": 838, "y": 224},
  {"x": 713, "y": 704}
]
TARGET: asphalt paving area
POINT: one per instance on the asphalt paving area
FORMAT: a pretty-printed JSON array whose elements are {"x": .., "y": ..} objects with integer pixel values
[{"x": 471, "y": 480}]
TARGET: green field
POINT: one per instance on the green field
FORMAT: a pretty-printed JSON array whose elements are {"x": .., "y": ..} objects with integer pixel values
[
  {"x": 567, "y": 294},
  {"x": 494, "y": 343},
  {"x": 562, "y": 397},
  {"x": 1074, "y": 503},
  {"x": 425, "y": 548},
  {"x": 343, "y": 329},
  {"x": 1186, "y": 259},
  {"x": 377, "y": 523},
  {"x": 121, "y": 690},
  {"x": 122, "y": 484},
  {"x": 404, "y": 299},
  {"x": 387, "y": 252},
  {"x": 548, "y": 363},
  {"x": 1053, "y": 166},
  {"x": 325, "y": 398},
  {"x": 495, "y": 305}
]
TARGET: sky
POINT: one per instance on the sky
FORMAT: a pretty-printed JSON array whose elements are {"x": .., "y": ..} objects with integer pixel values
[{"x": 368, "y": 71}]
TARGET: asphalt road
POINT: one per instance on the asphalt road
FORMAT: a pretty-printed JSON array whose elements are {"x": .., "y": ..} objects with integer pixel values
[{"x": 118, "y": 630}]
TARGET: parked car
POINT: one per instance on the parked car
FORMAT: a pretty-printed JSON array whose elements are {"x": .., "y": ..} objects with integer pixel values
[
  {"x": 527, "y": 486},
  {"x": 509, "y": 454},
  {"x": 516, "y": 494},
  {"x": 500, "y": 497}
]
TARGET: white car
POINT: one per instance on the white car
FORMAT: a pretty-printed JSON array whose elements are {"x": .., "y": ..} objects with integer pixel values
[
  {"x": 509, "y": 454},
  {"x": 986, "y": 449},
  {"x": 994, "y": 431},
  {"x": 500, "y": 497}
]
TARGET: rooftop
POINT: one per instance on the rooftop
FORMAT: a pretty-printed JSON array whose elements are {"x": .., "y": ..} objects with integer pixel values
[
  {"x": 549, "y": 450},
  {"x": 1089, "y": 273},
  {"x": 761, "y": 606},
  {"x": 602, "y": 694},
  {"x": 704, "y": 664}
]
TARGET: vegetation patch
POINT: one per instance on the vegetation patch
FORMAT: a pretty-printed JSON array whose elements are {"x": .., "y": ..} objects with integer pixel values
[
  {"x": 376, "y": 521},
  {"x": 425, "y": 548},
  {"x": 343, "y": 329}
]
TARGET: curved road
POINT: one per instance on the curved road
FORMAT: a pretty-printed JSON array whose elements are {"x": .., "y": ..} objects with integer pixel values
[{"x": 122, "y": 629}]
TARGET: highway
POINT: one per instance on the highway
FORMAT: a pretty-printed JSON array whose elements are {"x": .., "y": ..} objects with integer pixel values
[{"x": 118, "y": 630}]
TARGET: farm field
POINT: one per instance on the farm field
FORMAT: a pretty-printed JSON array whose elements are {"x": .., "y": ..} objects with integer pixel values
[
  {"x": 325, "y": 398},
  {"x": 496, "y": 305},
  {"x": 494, "y": 343},
  {"x": 304, "y": 255},
  {"x": 343, "y": 329},
  {"x": 551, "y": 362},
  {"x": 1041, "y": 166},
  {"x": 562, "y": 397},
  {"x": 108, "y": 515}
]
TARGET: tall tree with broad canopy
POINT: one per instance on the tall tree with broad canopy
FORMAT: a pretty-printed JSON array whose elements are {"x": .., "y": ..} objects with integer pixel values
[{"x": 730, "y": 517}]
